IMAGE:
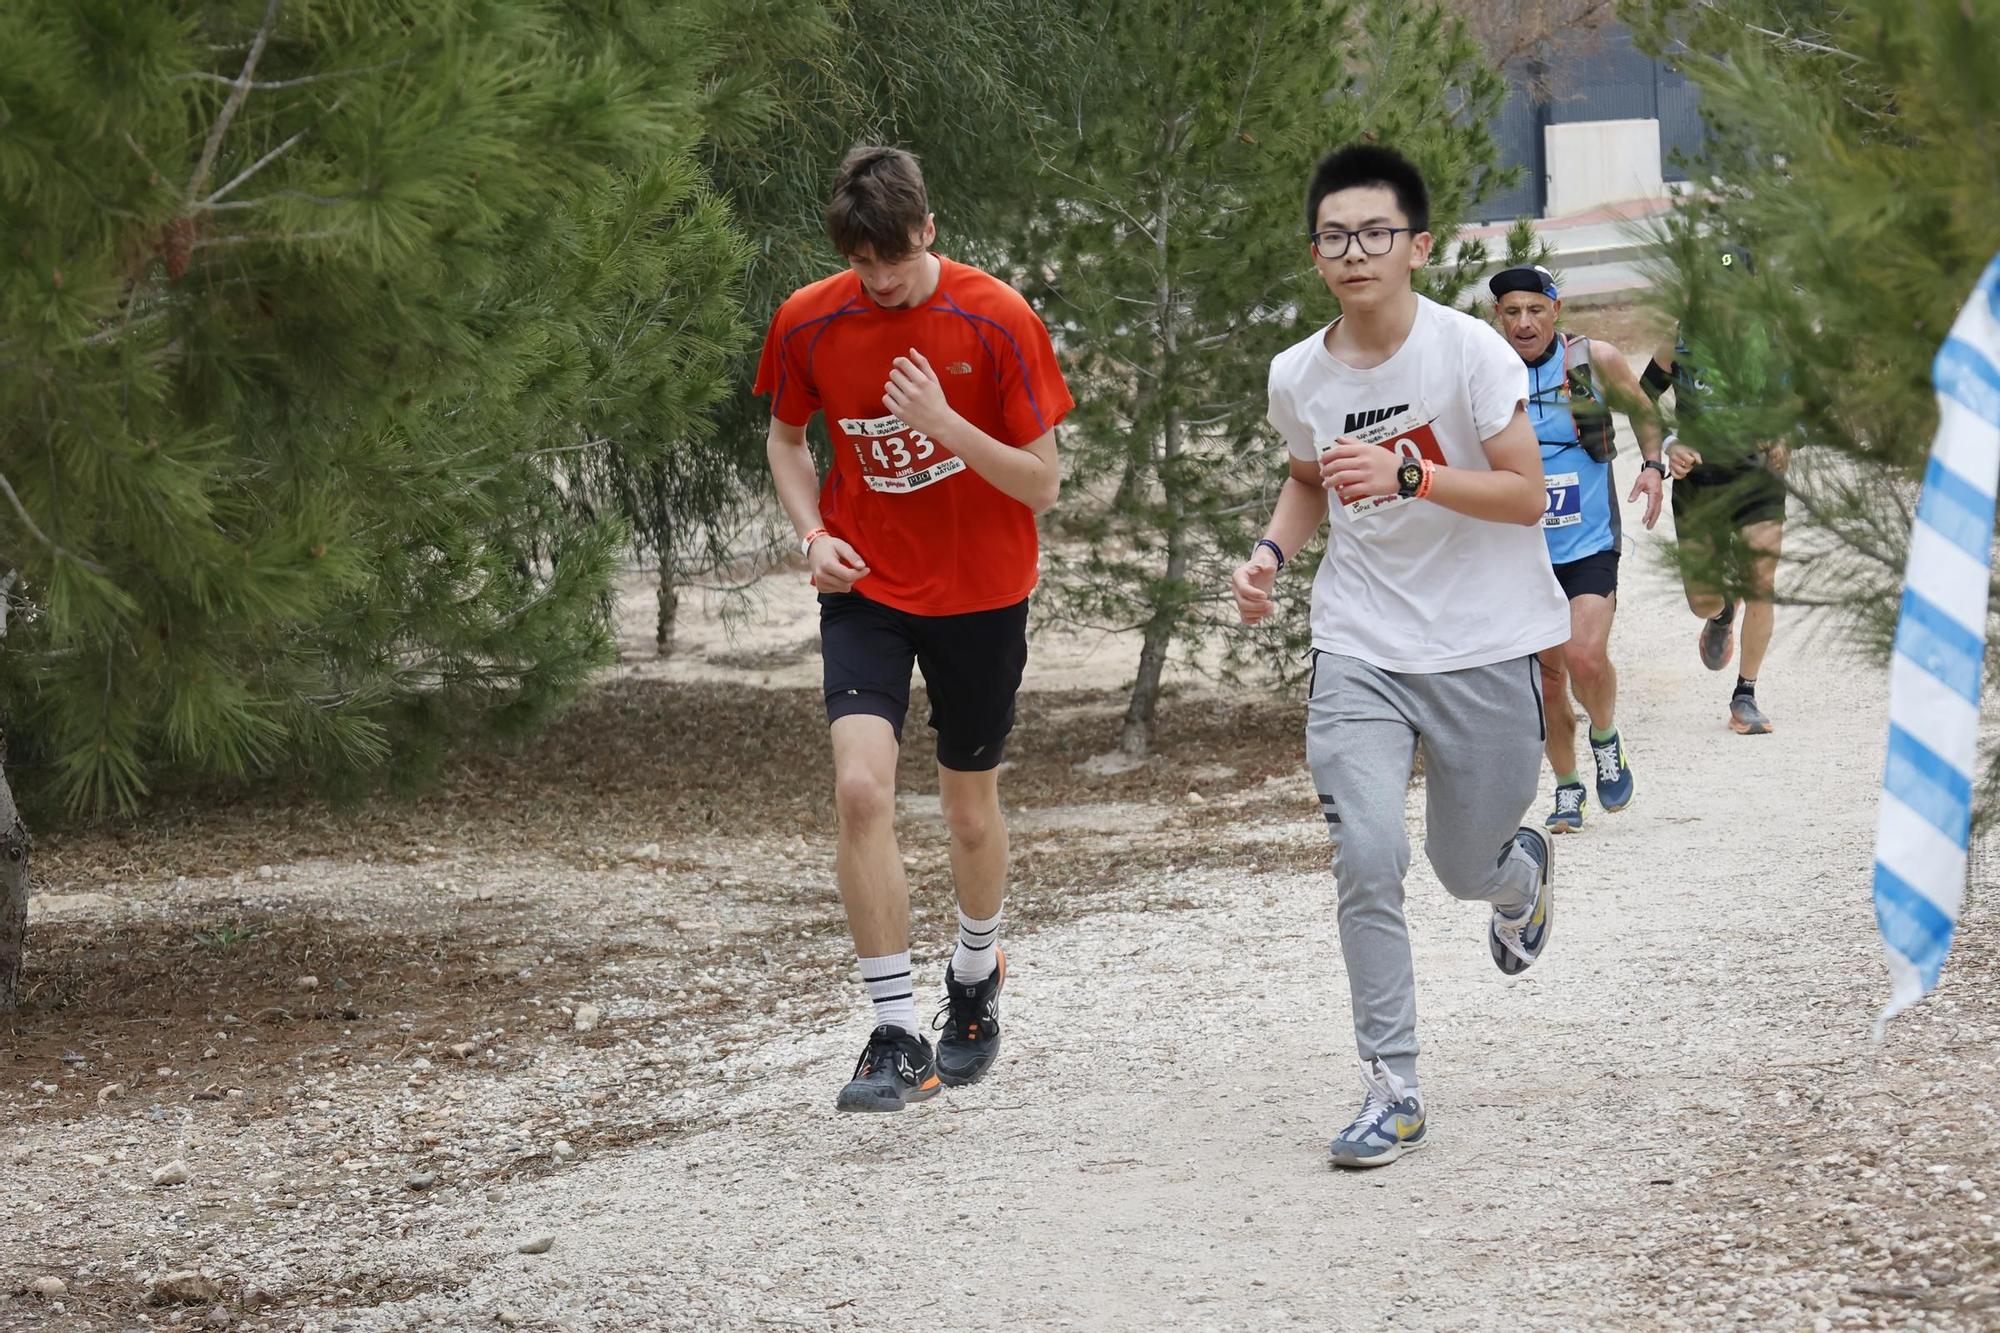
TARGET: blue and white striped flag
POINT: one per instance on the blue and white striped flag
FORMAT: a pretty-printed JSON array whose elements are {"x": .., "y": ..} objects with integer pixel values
[{"x": 1926, "y": 816}]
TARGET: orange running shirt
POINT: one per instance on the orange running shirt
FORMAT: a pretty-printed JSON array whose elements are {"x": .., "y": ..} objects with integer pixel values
[{"x": 938, "y": 538}]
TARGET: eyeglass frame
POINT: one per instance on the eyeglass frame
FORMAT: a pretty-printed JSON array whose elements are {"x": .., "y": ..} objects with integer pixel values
[{"x": 1353, "y": 236}]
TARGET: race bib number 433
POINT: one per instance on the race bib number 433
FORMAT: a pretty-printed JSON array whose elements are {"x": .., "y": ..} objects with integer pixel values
[{"x": 895, "y": 459}]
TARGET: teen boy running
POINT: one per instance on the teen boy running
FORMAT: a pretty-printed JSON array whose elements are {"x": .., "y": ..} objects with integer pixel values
[
  {"x": 1568, "y": 405},
  {"x": 941, "y": 396},
  {"x": 1405, "y": 425}
]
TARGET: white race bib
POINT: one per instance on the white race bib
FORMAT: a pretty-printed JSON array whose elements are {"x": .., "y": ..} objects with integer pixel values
[
  {"x": 1565, "y": 507},
  {"x": 895, "y": 459},
  {"x": 1408, "y": 436}
]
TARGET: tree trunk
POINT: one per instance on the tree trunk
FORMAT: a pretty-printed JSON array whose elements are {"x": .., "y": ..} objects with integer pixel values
[
  {"x": 1138, "y": 451},
  {"x": 13, "y": 896},
  {"x": 1136, "y": 737},
  {"x": 670, "y": 607}
]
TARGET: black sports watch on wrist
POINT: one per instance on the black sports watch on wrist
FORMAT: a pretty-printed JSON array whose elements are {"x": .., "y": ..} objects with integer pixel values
[
  {"x": 1409, "y": 476},
  {"x": 1654, "y": 464}
]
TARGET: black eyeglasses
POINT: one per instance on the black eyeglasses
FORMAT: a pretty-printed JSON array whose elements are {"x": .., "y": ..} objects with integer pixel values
[{"x": 1332, "y": 243}]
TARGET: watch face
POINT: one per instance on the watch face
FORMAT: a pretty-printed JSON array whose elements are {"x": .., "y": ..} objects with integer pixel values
[{"x": 1410, "y": 476}]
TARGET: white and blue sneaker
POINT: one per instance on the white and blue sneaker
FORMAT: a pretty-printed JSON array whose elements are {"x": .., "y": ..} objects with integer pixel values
[
  {"x": 1517, "y": 939},
  {"x": 1391, "y": 1122},
  {"x": 1614, "y": 773}
]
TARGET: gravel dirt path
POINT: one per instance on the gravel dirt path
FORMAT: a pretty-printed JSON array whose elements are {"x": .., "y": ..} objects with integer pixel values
[{"x": 1676, "y": 1120}]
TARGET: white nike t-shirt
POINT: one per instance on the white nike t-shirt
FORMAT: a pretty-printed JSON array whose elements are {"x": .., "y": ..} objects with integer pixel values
[{"x": 1408, "y": 585}]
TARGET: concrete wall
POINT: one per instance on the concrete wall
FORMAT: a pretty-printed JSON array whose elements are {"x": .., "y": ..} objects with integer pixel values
[{"x": 1595, "y": 162}]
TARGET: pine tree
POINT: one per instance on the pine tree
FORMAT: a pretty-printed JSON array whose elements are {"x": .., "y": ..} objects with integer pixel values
[
  {"x": 1172, "y": 237},
  {"x": 305, "y": 310},
  {"x": 1855, "y": 153}
]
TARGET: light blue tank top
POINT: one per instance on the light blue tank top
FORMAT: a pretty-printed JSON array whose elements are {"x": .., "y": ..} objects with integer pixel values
[{"x": 1582, "y": 515}]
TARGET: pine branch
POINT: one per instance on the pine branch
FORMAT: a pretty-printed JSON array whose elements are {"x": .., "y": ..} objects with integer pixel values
[
  {"x": 255, "y": 167},
  {"x": 234, "y": 104},
  {"x": 255, "y": 237},
  {"x": 299, "y": 82},
  {"x": 43, "y": 537},
  {"x": 323, "y": 200},
  {"x": 1782, "y": 38},
  {"x": 570, "y": 448}
]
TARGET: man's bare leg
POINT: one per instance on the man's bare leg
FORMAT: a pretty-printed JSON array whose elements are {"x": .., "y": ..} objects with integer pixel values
[{"x": 1765, "y": 540}]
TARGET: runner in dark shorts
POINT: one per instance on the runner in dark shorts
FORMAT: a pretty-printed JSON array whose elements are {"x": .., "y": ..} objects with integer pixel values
[
  {"x": 1740, "y": 502},
  {"x": 941, "y": 396},
  {"x": 1571, "y": 381}
]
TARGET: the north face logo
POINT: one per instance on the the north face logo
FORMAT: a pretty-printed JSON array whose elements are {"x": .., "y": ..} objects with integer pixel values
[{"x": 959, "y": 368}]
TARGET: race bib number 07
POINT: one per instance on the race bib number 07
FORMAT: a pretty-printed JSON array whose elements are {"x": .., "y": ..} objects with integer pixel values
[
  {"x": 1406, "y": 435},
  {"x": 896, "y": 460},
  {"x": 1565, "y": 507}
]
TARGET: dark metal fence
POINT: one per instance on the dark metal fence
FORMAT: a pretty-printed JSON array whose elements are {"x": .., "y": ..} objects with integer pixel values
[{"x": 1598, "y": 75}]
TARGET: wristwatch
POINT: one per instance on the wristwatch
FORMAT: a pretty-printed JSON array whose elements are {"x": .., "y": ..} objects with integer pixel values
[
  {"x": 1409, "y": 478},
  {"x": 1654, "y": 464}
]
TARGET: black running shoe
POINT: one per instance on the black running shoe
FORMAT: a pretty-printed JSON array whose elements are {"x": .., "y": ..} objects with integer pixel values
[
  {"x": 970, "y": 1017},
  {"x": 1717, "y": 639},
  {"x": 895, "y": 1069}
]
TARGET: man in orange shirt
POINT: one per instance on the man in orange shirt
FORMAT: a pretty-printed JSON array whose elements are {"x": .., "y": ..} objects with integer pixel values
[{"x": 941, "y": 395}]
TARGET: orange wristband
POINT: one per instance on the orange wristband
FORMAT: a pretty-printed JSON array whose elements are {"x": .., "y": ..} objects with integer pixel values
[
  {"x": 1424, "y": 486},
  {"x": 806, "y": 542}
]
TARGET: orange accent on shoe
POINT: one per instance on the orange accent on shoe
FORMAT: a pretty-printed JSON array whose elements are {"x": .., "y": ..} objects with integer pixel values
[{"x": 929, "y": 1083}]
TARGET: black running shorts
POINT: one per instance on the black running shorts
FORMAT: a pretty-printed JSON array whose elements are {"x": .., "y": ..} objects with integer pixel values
[
  {"x": 1596, "y": 573},
  {"x": 1734, "y": 495},
  {"x": 972, "y": 666}
]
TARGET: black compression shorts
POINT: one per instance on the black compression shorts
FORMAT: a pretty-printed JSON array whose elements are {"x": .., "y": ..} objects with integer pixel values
[{"x": 1733, "y": 495}]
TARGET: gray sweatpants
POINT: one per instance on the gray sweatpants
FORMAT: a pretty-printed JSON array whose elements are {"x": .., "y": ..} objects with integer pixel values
[{"x": 1481, "y": 729}]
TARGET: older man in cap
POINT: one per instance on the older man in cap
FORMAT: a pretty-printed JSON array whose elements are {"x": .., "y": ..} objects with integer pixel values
[{"x": 1572, "y": 383}]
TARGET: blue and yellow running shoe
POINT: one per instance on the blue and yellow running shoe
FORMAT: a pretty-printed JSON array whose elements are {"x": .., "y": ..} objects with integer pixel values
[
  {"x": 1614, "y": 772},
  {"x": 1567, "y": 817},
  {"x": 1391, "y": 1122}
]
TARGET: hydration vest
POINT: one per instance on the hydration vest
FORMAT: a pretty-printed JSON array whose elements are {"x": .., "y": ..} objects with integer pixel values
[
  {"x": 1564, "y": 403},
  {"x": 1573, "y": 424}
]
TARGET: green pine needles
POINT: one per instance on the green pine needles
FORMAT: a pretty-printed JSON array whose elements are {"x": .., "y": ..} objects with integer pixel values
[
  {"x": 319, "y": 325},
  {"x": 1855, "y": 151}
]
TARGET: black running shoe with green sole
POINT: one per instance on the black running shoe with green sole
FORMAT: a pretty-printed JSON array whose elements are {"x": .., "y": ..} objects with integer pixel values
[
  {"x": 970, "y": 1019},
  {"x": 895, "y": 1069}
]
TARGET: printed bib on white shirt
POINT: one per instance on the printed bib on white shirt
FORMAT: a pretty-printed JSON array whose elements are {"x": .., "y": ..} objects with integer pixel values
[
  {"x": 1410, "y": 437},
  {"x": 1565, "y": 500},
  {"x": 894, "y": 458},
  {"x": 1429, "y": 589}
]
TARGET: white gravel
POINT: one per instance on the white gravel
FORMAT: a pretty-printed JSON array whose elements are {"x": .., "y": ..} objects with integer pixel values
[{"x": 1150, "y": 1153}]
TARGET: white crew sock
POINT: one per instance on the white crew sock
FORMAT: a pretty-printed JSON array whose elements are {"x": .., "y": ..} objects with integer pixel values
[
  {"x": 978, "y": 941},
  {"x": 888, "y": 981}
]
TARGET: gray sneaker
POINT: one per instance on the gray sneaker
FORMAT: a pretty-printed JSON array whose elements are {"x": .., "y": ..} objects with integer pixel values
[
  {"x": 1517, "y": 940},
  {"x": 1391, "y": 1122},
  {"x": 1746, "y": 718},
  {"x": 1718, "y": 640},
  {"x": 896, "y": 1068}
]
